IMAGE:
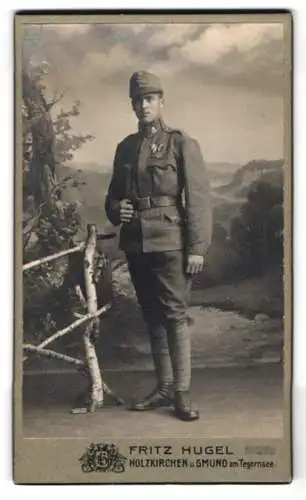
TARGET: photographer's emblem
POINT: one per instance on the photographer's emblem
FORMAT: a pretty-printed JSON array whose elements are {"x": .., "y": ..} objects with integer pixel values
[{"x": 101, "y": 457}]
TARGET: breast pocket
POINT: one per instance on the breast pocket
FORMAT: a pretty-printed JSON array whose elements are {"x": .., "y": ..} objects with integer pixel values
[{"x": 164, "y": 176}]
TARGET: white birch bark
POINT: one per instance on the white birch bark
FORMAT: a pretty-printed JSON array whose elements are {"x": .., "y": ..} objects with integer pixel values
[{"x": 96, "y": 399}]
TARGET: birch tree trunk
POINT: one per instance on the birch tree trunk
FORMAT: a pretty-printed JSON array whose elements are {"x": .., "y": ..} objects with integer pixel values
[{"x": 96, "y": 397}]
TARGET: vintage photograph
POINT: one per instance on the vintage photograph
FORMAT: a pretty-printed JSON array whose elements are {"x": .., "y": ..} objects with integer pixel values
[{"x": 154, "y": 179}]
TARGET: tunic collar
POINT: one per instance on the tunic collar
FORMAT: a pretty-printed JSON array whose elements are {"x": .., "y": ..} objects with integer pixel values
[{"x": 149, "y": 129}]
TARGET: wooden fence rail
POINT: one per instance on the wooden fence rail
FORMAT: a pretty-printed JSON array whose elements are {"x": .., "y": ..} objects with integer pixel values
[
  {"x": 72, "y": 326},
  {"x": 44, "y": 260},
  {"x": 90, "y": 364}
]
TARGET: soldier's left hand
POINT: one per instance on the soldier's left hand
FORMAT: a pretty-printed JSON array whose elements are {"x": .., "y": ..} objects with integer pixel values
[{"x": 195, "y": 264}]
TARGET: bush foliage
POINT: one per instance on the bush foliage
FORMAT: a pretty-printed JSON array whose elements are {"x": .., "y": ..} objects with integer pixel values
[{"x": 47, "y": 227}]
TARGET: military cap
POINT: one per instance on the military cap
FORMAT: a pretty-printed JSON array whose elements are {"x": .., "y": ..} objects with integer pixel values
[{"x": 143, "y": 82}]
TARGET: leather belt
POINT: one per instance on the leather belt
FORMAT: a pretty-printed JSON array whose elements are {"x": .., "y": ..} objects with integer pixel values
[{"x": 148, "y": 202}]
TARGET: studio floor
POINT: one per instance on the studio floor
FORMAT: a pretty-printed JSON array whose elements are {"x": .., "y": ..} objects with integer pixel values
[{"x": 233, "y": 402}]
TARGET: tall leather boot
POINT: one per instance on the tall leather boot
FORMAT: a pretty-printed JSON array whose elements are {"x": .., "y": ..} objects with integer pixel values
[
  {"x": 162, "y": 395},
  {"x": 184, "y": 410},
  {"x": 180, "y": 352}
]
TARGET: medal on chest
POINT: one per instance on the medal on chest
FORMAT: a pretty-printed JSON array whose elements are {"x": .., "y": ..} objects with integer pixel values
[{"x": 157, "y": 150}]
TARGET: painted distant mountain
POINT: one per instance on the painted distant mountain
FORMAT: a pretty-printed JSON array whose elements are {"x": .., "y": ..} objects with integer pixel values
[
  {"x": 221, "y": 173},
  {"x": 229, "y": 183},
  {"x": 96, "y": 178},
  {"x": 223, "y": 167},
  {"x": 90, "y": 195},
  {"x": 270, "y": 171},
  {"x": 214, "y": 168}
]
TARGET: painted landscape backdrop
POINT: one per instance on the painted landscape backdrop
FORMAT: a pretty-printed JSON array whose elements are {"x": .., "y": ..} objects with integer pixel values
[
  {"x": 237, "y": 301},
  {"x": 75, "y": 108}
]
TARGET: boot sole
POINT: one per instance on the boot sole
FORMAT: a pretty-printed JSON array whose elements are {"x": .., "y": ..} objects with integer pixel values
[
  {"x": 152, "y": 408},
  {"x": 186, "y": 418}
]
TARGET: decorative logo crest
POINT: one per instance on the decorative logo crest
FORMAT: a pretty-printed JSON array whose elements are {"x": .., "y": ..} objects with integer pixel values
[{"x": 101, "y": 457}]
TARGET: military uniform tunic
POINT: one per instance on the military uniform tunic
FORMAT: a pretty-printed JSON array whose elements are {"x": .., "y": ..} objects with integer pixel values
[
  {"x": 160, "y": 161},
  {"x": 161, "y": 170}
]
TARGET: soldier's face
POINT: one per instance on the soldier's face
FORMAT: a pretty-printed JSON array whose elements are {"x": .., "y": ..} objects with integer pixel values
[{"x": 148, "y": 107}]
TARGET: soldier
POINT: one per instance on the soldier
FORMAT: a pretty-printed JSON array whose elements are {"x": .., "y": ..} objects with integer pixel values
[{"x": 159, "y": 193}]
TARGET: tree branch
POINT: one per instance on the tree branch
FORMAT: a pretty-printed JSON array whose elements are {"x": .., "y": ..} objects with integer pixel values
[{"x": 58, "y": 96}]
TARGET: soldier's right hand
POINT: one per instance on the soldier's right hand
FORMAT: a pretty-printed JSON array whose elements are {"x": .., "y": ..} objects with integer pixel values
[{"x": 126, "y": 210}]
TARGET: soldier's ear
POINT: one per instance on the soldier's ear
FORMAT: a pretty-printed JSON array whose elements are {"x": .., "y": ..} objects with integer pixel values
[{"x": 162, "y": 101}]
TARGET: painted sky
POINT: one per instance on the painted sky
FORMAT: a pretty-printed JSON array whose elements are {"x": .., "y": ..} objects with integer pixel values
[{"x": 223, "y": 82}]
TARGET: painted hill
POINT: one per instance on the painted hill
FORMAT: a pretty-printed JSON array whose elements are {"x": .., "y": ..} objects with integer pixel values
[
  {"x": 264, "y": 170},
  {"x": 95, "y": 180},
  {"x": 230, "y": 183},
  {"x": 221, "y": 173},
  {"x": 90, "y": 194}
]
